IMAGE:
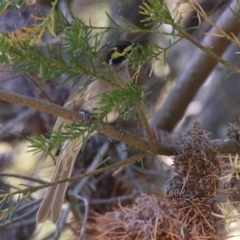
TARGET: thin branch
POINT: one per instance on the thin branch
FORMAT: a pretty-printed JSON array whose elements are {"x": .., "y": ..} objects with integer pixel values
[
  {"x": 41, "y": 105},
  {"x": 10, "y": 78},
  {"x": 23, "y": 216},
  {"x": 224, "y": 145},
  {"x": 127, "y": 162},
  {"x": 61, "y": 223},
  {"x": 74, "y": 195},
  {"x": 122, "y": 198},
  {"x": 20, "y": 224},
  {"x": 82, "y": 235},
  {"x": 131, "y": 139},
  {"x": 227, "y": 146},
  {"x": 197, "y": 70},
  {"x": 201, "y": 12},
  {"x": 23, "y": 211},
  {"x": 4, "y": 174},
  {"x": 146, "y": 127},
  {"x": 37, "y": 84},
  {"x": 6, "y": 127}
]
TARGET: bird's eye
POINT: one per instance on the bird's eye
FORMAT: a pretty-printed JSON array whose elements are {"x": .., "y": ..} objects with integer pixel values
[{"x": 120, "y": 49}]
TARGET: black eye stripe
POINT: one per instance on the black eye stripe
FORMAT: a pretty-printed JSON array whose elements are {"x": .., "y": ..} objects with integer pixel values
[
  {"x": 109, "y": 56},
  {"x": 118, "y": 60}
]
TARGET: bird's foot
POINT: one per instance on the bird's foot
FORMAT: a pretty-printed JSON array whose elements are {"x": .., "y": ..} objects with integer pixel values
[
  {"x": 87, "y": 116},
  {"x": 119, "y": 129}
]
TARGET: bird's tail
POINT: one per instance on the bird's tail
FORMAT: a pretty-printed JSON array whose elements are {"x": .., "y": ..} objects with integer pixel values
[{"x": 51, "y": 205}]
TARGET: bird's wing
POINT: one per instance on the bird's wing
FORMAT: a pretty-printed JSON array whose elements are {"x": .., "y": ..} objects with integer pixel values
[{"x": 74, "y": 101}]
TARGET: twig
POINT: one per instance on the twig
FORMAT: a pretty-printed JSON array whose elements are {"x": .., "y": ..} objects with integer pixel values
[
  {"x": 198, "y": 69},
  {"x": 10, "y": 124},
  {"x": 224, "y": 145},
  {"x": 61, "y": 223},
  {"x": 131, "y": 139},
  {"x": 84, "y": 222},
  {"x": 29, "y": 205},
  {"x": 77, "y": 189},
  {"x": 153, "y": 172},
  {"x": 120, "y": 148},
  {"x": 19, "y": 218},
  {"x": 21, "y": 224},
  {"x": 133, "y": 195},
  {"x": 63, "y": 7},
  {"x": 10, "y": 78},
  {"x": 121, "y": 151},
  {"x": 79, "y": 186},
  {"x": 28, "y": 209},
  {"x": 36, "y": 83},
  {"x": 103, "y": 201},
  {"x": 4, "y": 174},
  {"x": 121, "y": 154},
  {"x": 213, "y": 46},
  {"x": 40, "y": 105},
  {"x": 127, "y": 162},
  {"x": 146, "y": 127},
  {"x": 201, "y": 12}
]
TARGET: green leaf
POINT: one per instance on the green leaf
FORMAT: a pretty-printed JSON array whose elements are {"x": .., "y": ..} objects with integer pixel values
[
  {"x": 121, "y": 100},
  {"x": 39, "y": 143}
]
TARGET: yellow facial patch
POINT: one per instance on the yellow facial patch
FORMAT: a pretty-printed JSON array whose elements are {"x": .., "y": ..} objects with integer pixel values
[{"x": 117, "y": 54}]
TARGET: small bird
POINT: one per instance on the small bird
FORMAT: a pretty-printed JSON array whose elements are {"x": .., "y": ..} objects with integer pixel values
[{"x": 84, "y": 98}]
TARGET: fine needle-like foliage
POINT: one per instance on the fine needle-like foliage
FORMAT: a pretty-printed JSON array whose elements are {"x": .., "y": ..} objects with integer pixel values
[
  {"x": 197, "y": 164},
  {"x": 24, "y": 50},
  {"x": 27, "y": 56}
]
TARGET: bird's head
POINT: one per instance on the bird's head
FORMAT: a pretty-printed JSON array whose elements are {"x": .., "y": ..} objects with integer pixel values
[{"x": 115, "y": 53}]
